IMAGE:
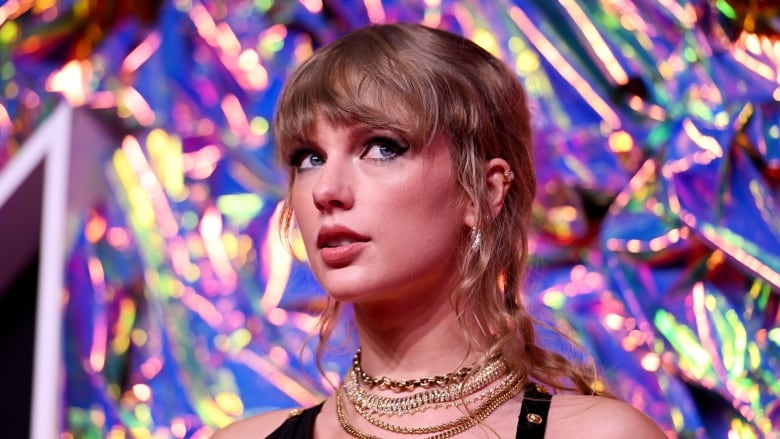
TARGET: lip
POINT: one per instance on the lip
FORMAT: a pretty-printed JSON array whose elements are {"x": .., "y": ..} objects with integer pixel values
[{"x": 341, "y": 255}]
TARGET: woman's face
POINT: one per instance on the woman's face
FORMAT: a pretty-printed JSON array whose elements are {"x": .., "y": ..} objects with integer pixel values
[{"x": 379, "y": 219}]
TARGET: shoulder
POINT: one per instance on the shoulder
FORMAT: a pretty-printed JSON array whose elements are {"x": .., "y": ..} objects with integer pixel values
[
  {"x": 597, "y": 417},
  {"x": 258, "y": 426}
]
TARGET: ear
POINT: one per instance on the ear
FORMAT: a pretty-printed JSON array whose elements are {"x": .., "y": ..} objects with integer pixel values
[{"x": 498, "y": 178}]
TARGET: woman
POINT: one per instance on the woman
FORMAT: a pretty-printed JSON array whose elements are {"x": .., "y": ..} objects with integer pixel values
[{"x": 411, "y": 182}]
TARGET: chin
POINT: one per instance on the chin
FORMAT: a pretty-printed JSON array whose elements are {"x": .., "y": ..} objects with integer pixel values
[{"x": 344, "y": 286}]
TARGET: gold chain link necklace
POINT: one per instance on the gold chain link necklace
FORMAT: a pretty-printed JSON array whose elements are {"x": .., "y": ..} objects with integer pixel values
[
  {"x": 442, "y": 431},
  {"x": 445, "y": 387},
  {"x": 432, "y": 398},
  {"x": 480, "y": 413},
  {"x": 400, "y": 385}
]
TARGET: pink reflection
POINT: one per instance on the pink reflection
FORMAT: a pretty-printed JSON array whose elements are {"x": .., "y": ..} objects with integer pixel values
[
  {"x": 201, "y": 164},
  {"x": 118, "y": 238},
  {"x": 566, "y": 70},
  {"x": 135, "y": 103},
  {"x": 376, "y": 13},
  {"x": 13, "y": 9},
  {"x": 234, "y": 114},
  {"x": 313, "y": 6},
  {"x": 5, "y": 121},
  {"x": 596, "y": 41},
  {"x": 141, "y": 53},
  {"x": 203, "y": 307},
  {"x": 148, "y": 180},
  {"x": 221, "y": 37},
  {"x": 277, "y": 264},
  {"x": 277, "y": 316},
  {"x": 180, "y": 256},
  {"x": 211, "y": 233},
  {"x": 97, "y": 354},
  {"x": 151, "y": 367}
]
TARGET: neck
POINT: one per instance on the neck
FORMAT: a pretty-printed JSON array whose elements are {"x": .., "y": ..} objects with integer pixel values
[{"x": 410, "y": 340}]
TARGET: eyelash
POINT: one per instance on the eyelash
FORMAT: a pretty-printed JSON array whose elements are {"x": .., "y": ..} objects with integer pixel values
[
  {"x": 297, "y": 157},
  {"x": 397, "y": 149}
]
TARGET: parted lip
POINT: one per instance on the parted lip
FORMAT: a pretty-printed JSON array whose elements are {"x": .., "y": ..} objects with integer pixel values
[{"x": 334, "y": 233}]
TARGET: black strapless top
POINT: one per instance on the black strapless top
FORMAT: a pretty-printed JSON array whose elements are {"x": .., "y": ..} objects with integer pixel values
[{"x": 530, "y": 424}]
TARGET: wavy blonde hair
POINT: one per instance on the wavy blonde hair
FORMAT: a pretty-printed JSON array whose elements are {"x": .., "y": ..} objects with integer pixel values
[{"x": 454, "y": 88}]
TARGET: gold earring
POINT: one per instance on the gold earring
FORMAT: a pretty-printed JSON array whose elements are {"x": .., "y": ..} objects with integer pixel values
[{"x": 509, "y": 175}]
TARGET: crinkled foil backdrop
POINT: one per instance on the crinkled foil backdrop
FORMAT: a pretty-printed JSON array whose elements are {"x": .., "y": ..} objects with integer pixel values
[{"x": 658, "y": 148}]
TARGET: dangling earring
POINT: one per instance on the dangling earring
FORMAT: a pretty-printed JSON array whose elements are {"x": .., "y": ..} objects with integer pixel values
[{"x": 476, "y": 238}]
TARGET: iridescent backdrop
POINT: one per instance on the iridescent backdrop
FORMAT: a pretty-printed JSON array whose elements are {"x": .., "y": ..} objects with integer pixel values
[{"x": 658, "y": 234}]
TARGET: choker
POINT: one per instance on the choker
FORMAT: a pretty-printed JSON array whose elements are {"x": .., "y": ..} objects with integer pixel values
[{"x": 400, "y": 385}]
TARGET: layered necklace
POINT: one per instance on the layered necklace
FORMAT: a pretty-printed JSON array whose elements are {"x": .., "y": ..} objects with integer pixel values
[{"x": 485, "y": 389}]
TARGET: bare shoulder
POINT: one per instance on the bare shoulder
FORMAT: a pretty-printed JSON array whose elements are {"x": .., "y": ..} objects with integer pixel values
[
  {"x": 255, "y": 427},
  {"x": 598, "y": 417}
]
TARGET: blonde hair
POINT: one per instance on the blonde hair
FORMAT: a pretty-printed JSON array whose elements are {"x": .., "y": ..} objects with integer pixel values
[{"x": 423, "y": 82}]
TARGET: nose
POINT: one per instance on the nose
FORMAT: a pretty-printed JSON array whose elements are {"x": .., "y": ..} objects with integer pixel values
[{"x": 333, "y": 188}]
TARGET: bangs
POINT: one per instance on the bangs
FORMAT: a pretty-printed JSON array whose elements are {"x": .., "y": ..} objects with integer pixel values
[{"x": 358, "y": 84}]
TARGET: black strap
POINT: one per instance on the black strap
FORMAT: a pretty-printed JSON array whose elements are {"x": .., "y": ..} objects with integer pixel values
[
  {"x": 533, "y": 415},
  {"x": 298, "y": 426},
  {"x": 530, "y": 424}
]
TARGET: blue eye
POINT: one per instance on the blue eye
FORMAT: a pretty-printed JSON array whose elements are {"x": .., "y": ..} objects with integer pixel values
[
  {"x": 383, "y": 148},
  {"x": 305, "y": 159}
]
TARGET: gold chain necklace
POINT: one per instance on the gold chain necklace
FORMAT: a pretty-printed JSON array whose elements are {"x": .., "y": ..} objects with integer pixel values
[
  {"x": 480, "y": 413},
  {"x": 399, "y": 385},
  {"x": 511, "y": 388},
  {"x": 431, "y": 398}
]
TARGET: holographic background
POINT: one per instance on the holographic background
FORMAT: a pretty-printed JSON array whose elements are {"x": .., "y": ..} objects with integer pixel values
[{"x": 658, "y": 239}]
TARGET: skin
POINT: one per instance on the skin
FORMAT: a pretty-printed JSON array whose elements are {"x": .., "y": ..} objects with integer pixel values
[
  {"x": 374, "y": 184},
  {"x": 406, "y": 208},
  {"x": 570, "y": 416}
]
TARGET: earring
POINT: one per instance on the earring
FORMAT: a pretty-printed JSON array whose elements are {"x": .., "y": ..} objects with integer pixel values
[
  {"x": 509, "y": 175},
  {"x": 476, "y": 238}
]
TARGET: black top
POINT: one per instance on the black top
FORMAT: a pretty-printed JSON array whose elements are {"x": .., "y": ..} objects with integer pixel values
[{"x": 530, "y": 424}]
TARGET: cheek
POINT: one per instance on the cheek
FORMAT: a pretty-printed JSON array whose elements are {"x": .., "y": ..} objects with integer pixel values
[
  {"x": 301, "y": 197},
  {"x": 297, "y": 205},
  {"x": 430, "y": 203},
  {"x": 303, "y": 213}
]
